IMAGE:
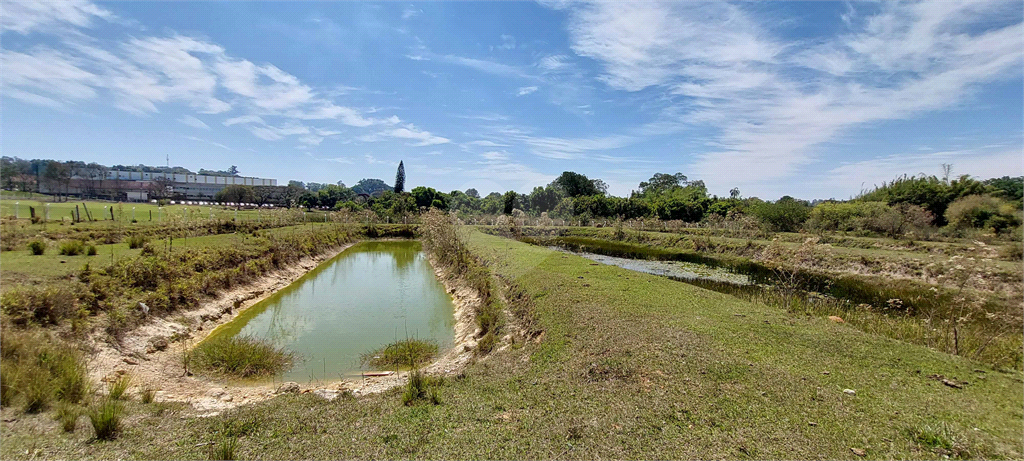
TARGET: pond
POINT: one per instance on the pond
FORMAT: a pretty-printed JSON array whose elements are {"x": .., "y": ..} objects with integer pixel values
[
  {"x": 682, "y": 270},
  {"x": 370, "y": 295}
]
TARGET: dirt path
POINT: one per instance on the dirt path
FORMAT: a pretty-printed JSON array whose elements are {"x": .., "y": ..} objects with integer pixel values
[{"x": 153, "y": 353}]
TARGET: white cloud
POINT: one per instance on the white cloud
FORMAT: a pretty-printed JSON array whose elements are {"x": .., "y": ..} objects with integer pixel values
[
  {"x": 311, "y": 140},
  {"x": 494, "y": 156},
  {"x": 572, "y": 148},
  {"x": 770, "y": 101},
  {"x": 193, "y": 122},
  {"x": 195, "y": 138},
  {"x": 410, "y": 12},
  {"x": 409, "y": 131},
  {"x": 24, "y": 16},
  {"x": 244, "y": 119},
  {"x": 508, "y": 42},
  {"x": 523, "y": 91}
]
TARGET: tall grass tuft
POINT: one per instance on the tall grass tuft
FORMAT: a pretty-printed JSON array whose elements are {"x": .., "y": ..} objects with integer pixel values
[
  {"x": 67, "y": 415},
  {"x": 136, "y": 241},
  {"x": 407, "y": 352},
  {"x": 36, "y": 388},
  {"x": 72, "y": 247},
  {"x": 106, "y": 419},
  {"x": 118, "y": 389},
  {"x": 240, "y": 356},
  {"x": 38, "y": 247},
  {"x": 91, "y": 250},
  {"x": 147, "y": 395},
  {"x": 224, "y": 449}
]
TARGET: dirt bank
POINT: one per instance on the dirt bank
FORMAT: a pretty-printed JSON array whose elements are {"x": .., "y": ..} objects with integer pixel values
[{"x": 157, "y": 364}]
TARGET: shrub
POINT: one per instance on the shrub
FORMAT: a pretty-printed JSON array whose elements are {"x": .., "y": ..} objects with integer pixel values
[
  {"x": 419, "y": 387},
  {"x": 106, "y": 419},
  {"x": 91, "y": 250},
  {"x": 240, "y": 356},
  {"x": 785, "y": 215},
  {"x": 118, "y": 389},
  {"x": 44, "y": 305},
  {"x": 136, "y": 241},
  {"x": 72, "y": 247},
  {"x": 408, "y": 352},
  {"x": 37, "y": 247},
  {"x": 980, "y": 211}
]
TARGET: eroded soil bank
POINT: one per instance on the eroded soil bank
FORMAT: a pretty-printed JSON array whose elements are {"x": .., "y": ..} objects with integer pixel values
[{"x": 153, "y": 353}]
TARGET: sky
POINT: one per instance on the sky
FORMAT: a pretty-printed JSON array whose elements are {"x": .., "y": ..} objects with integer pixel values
[{"x": 809, "y": 99}]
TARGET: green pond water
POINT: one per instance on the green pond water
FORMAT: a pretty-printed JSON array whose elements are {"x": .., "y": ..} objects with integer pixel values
[{"x": 366, "y": 297}]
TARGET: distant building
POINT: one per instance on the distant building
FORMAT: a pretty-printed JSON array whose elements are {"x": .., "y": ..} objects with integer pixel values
[{"x": 141, "y": 186}]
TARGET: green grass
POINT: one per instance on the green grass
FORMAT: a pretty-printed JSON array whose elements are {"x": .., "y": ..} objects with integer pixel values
[
  {"x": 629, "y": 366},
  {"x": 240, "y": 357},
  {"x": 106, "y": 419},
  {"x": 401, "y": 354}
]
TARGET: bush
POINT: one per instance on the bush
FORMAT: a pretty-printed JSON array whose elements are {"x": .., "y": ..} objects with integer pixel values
[
  {"x": 35, "y": 386},
  {"x": 72, "y": 247},
  {"x": 136, "y": 241},
  {"x": 106, "y": 419},
  {"x": 91, "y": 250},
  {"x": 980, "y": 211},
  {"x": 419, "y": 387},
  {"x": 36, "y": 304},
  {"x": 37, "y": 247},
  {"x": 785, "y": 215},
  {"x": 240, "y": 356},
  {"x": 405, "y": 353}
]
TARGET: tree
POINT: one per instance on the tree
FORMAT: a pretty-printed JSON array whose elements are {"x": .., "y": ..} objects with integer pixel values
[
  {"x": 427, "y": 197},
  {"x": 575, "y": 184},
  {"x": 600, "y": 186},
  {"x": 314, "y": 186},
  {"x": 472, "y": 193},
  {"x": 370, "y": 186},
  {"x": 509, "y": 201},
  {"x": 734, "y": 193},
  {"x": 233, "y": 171},
  {"x": 400, "y": 178},
  {"x": 299, "y": 184},
  {"x": 235, "y": 193},
  {"x": 661, "y": 183},
  {"x": 543, "y": 199}
]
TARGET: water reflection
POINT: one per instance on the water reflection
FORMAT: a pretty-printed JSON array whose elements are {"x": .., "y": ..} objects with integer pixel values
[{"x": 368, "y": 296}]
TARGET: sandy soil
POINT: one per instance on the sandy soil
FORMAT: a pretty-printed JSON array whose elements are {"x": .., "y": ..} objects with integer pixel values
[{"x": 163, "y": 370}]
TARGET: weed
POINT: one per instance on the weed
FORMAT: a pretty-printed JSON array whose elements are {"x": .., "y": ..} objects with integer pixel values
[
  {"x": 940, "y": 439},
  {"x": 67, "y": 415},
  {"x": 414, "y": 352},
  {"x": 40, "y": 304},
  {"x": 240, "y": 356},
  {"x": 147, "y": 394},
  {"x": 118, "y": 389},
  {"x": 106, "y": 419},
  {"x": 91, "y": 250},
  {"x": 38, "y": 247},
  {"x": 420, "y": 387},
  {"x": 224, "y": 449},
  {"x": 35, "y": 387},
  {"x": 72, "y": 247},
  {"x": 70, "y": 377},
  {"x": 136, "y": 241}
]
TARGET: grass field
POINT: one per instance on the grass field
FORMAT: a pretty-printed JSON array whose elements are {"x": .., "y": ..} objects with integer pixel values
[{"x": 629, "y": 366}]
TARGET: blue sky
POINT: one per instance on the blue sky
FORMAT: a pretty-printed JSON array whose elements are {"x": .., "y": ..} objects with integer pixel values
[{"x": 811, "y": 99}]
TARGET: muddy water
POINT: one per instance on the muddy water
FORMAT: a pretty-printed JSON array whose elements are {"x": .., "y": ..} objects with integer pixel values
[
  {"x": 368, "y": 296},
  {"x": 683, "y": 270}
]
